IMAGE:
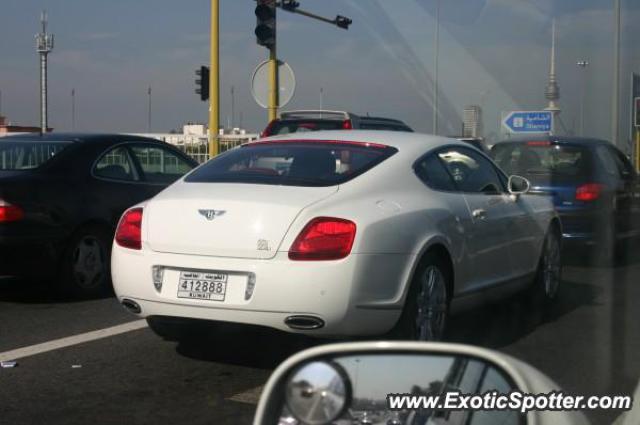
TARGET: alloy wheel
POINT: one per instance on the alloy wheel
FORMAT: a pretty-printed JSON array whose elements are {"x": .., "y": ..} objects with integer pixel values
[
  {"x": 432, "y": 306},
  {"x": 88, "y": 263},
  {"x": 551, "y": 266}
]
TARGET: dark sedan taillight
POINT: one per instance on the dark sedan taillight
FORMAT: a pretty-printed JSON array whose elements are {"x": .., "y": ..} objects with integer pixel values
[
  {"x": 10, "y": 212},
  {"x": 589, "y": 192},
  {"x": 129, "y": 231}
]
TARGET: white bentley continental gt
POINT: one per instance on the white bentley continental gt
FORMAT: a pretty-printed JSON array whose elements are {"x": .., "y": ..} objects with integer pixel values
[{"x": 336, "y": 234}]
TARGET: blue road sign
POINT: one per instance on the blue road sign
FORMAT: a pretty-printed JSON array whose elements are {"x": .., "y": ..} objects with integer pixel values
[{"x": 529, "y": 122}]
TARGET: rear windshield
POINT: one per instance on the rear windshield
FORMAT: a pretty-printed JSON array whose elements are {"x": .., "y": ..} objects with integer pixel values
[
  {"x": 388, "y": 126},
  {"x": 541, "y": 160},
  {"x": 25, "y": 155},
  {"x": 299, "y": 126},
  {"x": 312, "y": 163}
]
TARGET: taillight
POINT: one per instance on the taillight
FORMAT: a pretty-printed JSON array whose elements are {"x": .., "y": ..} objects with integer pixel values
[
  {"x": 324, "y": 238},
  {"x": 129, "y": 232},
  {"x": 9, "y": 212},
  {"x": 267, "y": 131},
  {"x": 346, "y": 125},
  {"x": 589, "y": 192}
]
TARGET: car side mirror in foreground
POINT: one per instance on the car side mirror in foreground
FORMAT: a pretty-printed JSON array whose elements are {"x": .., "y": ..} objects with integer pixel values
[
  {"x": 518, "y": 185},
  {"x": 381, "y": 382}
]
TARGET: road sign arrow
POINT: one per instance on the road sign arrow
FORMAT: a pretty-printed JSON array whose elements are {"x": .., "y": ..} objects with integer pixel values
[{"x": 529, "y": 121}]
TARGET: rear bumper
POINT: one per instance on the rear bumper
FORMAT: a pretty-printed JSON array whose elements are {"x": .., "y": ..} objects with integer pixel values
[
  {"x": 360, "y": 295},
  {"x": 578, "y": 239},
  {"x": 584, "y": 228},
  {"x": 28, "y": 258}
]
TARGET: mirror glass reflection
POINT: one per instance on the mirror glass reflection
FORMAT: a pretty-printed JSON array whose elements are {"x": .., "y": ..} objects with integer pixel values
[{"x": 369, "y": 378}]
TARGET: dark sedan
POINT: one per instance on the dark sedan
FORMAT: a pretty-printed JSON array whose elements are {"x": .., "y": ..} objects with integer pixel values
[
  {"x": 594, "y": 187},
  {"x": 61, "y": 196}
]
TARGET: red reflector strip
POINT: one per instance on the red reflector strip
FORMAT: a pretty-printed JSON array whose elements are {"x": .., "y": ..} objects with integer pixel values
[
  {"x": 539, "y": 143},
  {"x": 311, "y": 142}
]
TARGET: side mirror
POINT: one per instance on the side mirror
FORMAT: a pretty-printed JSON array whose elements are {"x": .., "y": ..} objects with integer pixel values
[
  {"x": 518, "y": 185},
  {"x": 374, "y": 382}
]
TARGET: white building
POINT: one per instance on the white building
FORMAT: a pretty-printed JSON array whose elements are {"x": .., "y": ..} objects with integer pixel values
[
  {"x": 472, "y": 121},
  {"x": 194, "y": 139}
]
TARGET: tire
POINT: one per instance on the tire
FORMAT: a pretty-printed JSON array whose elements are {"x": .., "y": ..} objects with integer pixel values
[
  {"x": 549, "y": 273},
  {"x": 86, "y": 265},
  {"x": 426, "y": 312}
]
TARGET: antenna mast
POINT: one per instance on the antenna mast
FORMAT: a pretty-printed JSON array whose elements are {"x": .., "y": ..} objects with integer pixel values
[{"x": 44, "y": 45}]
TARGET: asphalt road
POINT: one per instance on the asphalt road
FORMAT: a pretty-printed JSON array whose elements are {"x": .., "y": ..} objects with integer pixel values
[{"x": 588, "y": 343}]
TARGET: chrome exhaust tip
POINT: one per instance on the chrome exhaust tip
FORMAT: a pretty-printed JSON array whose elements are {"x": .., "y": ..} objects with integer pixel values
[
  {"x": 131, "y": 306},
  {"x": 304, "y": 323}
]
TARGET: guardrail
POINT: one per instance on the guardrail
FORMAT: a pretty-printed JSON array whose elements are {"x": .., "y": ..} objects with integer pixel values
[{"x": 200, "y": 151}]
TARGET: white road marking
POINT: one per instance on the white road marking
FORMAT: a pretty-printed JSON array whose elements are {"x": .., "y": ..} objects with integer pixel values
[
  {"x": 250, "y": 396},
  {"x": 56, "y": 344}
]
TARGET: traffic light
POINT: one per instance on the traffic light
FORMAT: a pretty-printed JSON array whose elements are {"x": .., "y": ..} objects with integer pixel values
[
  {"x": 290, "y": 5},
  {"x": 202, "y": 83},
  {"x": 343, "y": 22},
  {"x": 266, "y": 23}
]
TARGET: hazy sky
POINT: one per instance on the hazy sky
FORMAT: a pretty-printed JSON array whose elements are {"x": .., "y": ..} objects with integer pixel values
[{"x": 492, "y": 52}]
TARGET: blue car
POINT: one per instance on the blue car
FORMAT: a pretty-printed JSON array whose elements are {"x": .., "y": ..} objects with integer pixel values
[{"x": 594, "y": 187}]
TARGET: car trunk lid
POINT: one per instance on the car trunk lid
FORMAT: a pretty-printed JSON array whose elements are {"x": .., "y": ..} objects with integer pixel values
[
  {"x": 226, "y": 220},
  {"x": 561, "y": 195}
]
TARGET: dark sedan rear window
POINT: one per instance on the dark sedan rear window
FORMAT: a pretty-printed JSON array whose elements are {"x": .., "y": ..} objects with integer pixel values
[
  {"x": 389, "y": 126},
  {"x": 299, "y": 126},
  {"x": 25, "y": 155},
  {"x": 304, "y": 163},
  {"x": 536, "y": 160}
]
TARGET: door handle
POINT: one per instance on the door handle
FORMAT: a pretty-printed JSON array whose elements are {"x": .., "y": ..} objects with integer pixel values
[{"x": 479, "y": 213}]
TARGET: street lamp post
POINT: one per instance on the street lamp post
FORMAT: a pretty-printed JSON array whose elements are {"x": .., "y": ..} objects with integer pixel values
[
  {"x": 233, "y": 107},
  {"x": 436, "y": 58},
  {"x": 615, "y": 99},
  {"x": 149, "y": 110},
  {"x": 73, "y": 109},
  {"x": 583, "y": 64}
]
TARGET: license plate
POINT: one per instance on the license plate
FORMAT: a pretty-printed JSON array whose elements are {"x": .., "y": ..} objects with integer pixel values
[{"x": 202, "y": 285}]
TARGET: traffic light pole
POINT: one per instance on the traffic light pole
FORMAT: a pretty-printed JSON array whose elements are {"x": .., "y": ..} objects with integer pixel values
[
  {"x": 637, "y": 149},
  {"x": 214, "y": 80},
  {"x": 266, "y": 36},
  {"x": 274, "y": 101},
  {"x": 292, "y": 6}
]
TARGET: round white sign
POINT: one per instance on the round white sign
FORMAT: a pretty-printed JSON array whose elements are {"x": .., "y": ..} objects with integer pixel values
[{"x": 260, "y": 83}]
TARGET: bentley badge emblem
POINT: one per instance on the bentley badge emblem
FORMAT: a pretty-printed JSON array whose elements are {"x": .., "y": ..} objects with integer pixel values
[{"x": 211, "y": 214}]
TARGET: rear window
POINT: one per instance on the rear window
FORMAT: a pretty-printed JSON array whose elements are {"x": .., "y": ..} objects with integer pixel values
[
  {"x": 25, "y": 155},
  {"x": 306, "y": 163},
  {"x": 299, "y": 126},
  {"x": 536, "y": 160},
  {"x": 390, "y": 126}
]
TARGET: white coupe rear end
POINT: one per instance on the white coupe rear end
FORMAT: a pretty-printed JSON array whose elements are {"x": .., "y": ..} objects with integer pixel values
[{"x": 326, "y": 236}]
